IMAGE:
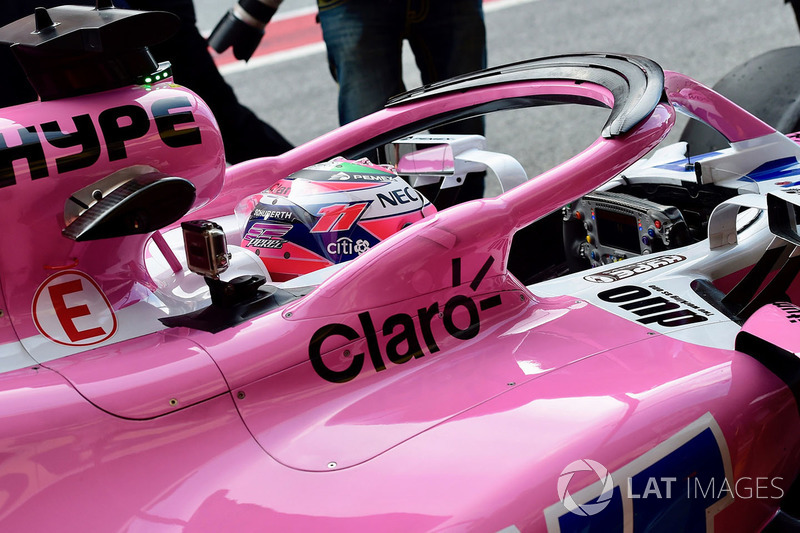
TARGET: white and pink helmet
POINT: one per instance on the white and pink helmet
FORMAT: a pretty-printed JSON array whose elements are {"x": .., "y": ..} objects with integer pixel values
[{"x": 328, "y": 213}]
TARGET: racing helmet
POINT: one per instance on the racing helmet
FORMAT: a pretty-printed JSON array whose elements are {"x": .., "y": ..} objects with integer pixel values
[{"x": 327, "y": 214}]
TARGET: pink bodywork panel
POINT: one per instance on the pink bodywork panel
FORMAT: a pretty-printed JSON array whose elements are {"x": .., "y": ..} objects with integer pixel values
[
  {"x": 778, "y": 323},
  {"x": 470, "y": 435},
  {"x": 714, "y": 109},
  {"x": 480, "y": 426},
  {"x": 117, "y": 265}
]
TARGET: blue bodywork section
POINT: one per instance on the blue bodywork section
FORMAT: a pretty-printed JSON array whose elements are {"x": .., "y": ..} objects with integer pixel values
[
  {"x": 670, "y": 495},
  {"x": 786, "y": 168}
]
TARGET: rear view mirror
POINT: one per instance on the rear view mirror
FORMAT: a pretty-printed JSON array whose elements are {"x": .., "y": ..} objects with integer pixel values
[{"x": 783, "y": 207}]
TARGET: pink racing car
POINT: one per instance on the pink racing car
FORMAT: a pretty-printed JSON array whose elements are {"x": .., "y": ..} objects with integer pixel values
[{"x": 305, "y": 343}]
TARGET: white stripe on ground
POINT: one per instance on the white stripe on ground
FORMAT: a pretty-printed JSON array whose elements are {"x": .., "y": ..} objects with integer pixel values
[
  {"x": 271, "y": 59},
  {"x": 502, "y": 4},
  {"x": 319, "y": 47},
  {"x": 294, "y": 13}
]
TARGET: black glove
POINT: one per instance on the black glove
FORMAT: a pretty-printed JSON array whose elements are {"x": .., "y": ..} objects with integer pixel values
[{"x": 242, "y": 27}]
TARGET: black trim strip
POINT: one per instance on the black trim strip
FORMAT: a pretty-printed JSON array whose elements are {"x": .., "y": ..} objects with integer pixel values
[
  {"x": 708, "y": 292},
  {"x": 365, "y": 149},
  {"x": 744, "y": 291},
  {"x": 780, "y": 362},
  {"x": 637, "y": 83},
  {"x": 776, "y": 289}
]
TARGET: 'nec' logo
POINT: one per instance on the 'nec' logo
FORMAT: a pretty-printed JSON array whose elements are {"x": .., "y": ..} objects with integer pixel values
[{"x": 70, "y": 309}]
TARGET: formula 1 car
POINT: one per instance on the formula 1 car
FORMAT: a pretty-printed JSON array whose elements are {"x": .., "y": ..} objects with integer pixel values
[{"x": 304, "y": 342}]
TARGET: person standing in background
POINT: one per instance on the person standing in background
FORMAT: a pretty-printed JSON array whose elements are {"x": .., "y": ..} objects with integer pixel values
[
  {"x": 796, "y": 8},
  {"x": 364, "y": 40}
]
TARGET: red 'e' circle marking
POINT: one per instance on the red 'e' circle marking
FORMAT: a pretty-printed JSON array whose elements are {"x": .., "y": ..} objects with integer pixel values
[{"x": 73, "y": 311}]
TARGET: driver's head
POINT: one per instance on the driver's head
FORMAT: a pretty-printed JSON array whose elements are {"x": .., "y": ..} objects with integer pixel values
[{"x": 327, "y": 214}]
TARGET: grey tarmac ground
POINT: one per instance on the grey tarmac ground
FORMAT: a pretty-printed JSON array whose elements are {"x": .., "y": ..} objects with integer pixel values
[{"x": 701, "y": 38}]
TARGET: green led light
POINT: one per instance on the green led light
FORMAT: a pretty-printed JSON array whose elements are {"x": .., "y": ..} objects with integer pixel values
[
  {"x": 148, "y": 80},
  {"x": 158, "y": 77}
]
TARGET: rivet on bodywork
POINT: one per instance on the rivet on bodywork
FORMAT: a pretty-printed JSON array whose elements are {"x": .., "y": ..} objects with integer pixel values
[{"x": 241, "y": 395}]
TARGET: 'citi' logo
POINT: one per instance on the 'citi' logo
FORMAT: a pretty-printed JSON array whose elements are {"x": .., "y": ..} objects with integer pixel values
[{"x": 401, "y": 339}]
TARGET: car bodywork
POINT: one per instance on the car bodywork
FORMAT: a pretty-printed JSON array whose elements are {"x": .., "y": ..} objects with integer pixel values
[{"x": 422, "y": 385}]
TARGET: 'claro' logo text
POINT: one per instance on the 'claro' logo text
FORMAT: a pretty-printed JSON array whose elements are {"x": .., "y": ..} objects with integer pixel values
[{"x": 401, "y": 340}]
